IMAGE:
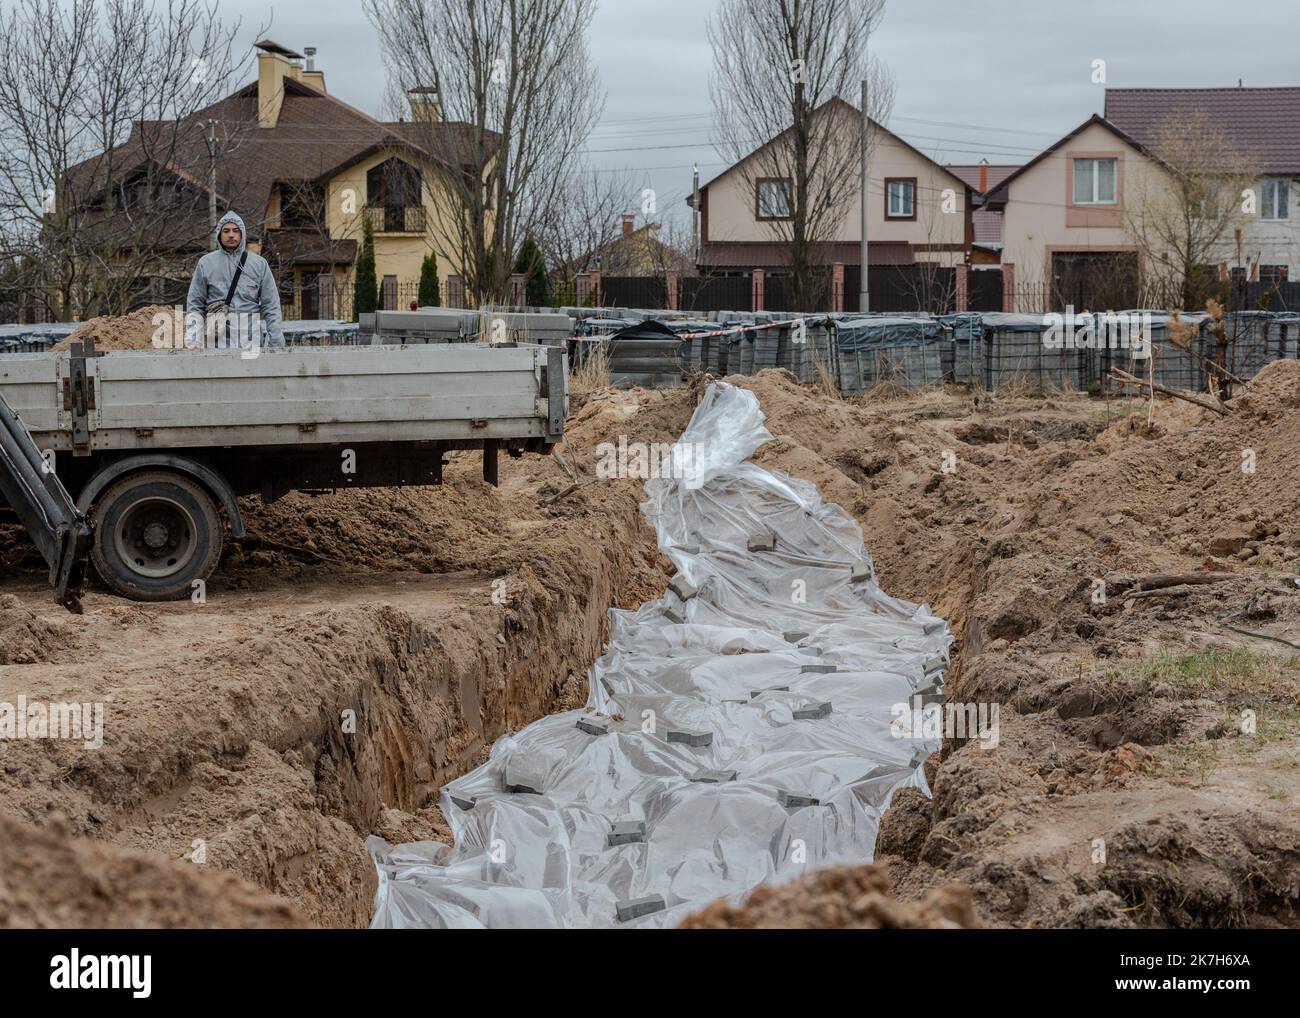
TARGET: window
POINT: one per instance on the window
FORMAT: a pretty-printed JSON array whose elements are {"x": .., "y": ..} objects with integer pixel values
[
  {"x": 302, "y": 205},
  {"x": 772, "y": 198},
  {"x": 900, "y": 197},
  {"x": 1277, "y": 200},
  {"x": 1094, "y": 181},
  {"x": 392, "y": 188}
]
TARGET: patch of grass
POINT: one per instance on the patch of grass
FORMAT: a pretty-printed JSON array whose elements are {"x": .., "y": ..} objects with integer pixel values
[
  {"x": 1117, "y": 410},
  {"x": 1219, "y": 673},
  {"x": 1190, "y": 760}
]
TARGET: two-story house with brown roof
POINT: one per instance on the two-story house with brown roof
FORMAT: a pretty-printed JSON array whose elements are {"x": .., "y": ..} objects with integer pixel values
[
  {"x": 306, "y": 171},
  {"x": 1072, "y": 217},
  {"x": 919, "y": 211}
]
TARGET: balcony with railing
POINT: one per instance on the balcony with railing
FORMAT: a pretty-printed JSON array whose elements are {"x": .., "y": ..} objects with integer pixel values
[{"x": 396, "y": 218}]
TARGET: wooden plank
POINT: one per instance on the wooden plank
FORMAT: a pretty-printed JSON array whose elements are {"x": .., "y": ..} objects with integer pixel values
[
  {"x": 30, "y": 384},
  {"x": 324, "y": 362},
  {"x": 516, "y": 384},
  {"x": 291, "y": 435},
  {"x": 113, "y": 413}
]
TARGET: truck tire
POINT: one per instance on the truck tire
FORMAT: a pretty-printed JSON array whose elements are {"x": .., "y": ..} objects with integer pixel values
[{"x": 156, "y": 532}]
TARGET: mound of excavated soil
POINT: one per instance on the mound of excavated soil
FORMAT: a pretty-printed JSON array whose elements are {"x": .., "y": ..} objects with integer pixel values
[
  {"x": 135, "y": 331},
  {"x": 48, "y": 879},
  {"x": 842, "y": 897},
  {"x": 465, "y": 523},
  {"x": 26, "y": 637}
]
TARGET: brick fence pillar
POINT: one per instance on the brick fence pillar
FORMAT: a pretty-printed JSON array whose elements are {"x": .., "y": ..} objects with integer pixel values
[
  {"x": 596, "y": 296},
  {"x": 757, "y": 291},
  {"x": 837, "y": 287},
  {"x": 963, "y": 288},
  {"x": 518, "y": 289},
  {"x": 673, "y": 284},
  {"x": 1008, "y": 287}
]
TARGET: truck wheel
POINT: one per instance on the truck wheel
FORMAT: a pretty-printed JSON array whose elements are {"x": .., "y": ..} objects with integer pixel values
[{"x": 155, "y": 534}]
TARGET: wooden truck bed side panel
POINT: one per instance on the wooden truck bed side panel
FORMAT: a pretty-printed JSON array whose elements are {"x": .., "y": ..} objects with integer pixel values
[
  {"x": 31, "y": 384},
  {"x": 185, "y": 399}
]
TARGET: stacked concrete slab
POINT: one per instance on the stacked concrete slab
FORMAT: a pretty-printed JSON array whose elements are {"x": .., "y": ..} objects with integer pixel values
[{"x": 427, "y": 325}]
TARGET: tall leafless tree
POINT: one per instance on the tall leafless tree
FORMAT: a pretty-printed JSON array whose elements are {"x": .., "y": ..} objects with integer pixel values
[
  {"x": 779, "y": 67},
  {"x": 517, "y": 76},
  {"x": 97, "y": 98},
  {"x": 583, "y": 222}
]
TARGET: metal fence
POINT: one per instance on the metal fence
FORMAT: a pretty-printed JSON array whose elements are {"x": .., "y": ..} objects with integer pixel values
[
  {"x": 895, "y": 289},
  {"x": 716, "y": 293}
]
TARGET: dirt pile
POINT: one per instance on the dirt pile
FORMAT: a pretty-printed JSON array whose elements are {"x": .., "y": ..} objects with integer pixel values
[
  {"x": 467, "y": 524},
  {"x": 49, "y": 879},
  {"x": 135, "y": 331},
  {"x": 842, "y": 897},
  {"x": 26, "y": 637}
]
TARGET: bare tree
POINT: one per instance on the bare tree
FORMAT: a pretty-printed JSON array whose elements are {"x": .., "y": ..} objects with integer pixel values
[
  {"x": 779, "y": 67},
  {"x": 1187, "y": 209},
  {"x": 97, "y": 99},
  {"x": 516, "y": 78},
  {"x": 583, "y": 222}
]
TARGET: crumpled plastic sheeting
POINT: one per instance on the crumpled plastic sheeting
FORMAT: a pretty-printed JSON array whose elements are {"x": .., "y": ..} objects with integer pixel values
[{"x": 730, "y": 673}]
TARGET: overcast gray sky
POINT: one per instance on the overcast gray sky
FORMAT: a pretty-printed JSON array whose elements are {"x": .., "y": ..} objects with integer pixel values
[{"x": 998, "y": 79}]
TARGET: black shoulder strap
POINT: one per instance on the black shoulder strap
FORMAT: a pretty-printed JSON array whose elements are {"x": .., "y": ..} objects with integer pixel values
[{"x": 234, "y": 280}]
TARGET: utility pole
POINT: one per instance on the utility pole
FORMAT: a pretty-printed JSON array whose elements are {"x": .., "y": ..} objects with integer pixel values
[
  {"x": 864, "y": 286},
  {"x": 695, "y": 215},
  {"x": 212, "y": 183}
]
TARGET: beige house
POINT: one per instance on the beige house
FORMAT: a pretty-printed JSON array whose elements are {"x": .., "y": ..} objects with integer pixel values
[
  {"x": 306, "y": 171},
  {"x": 919, "y": 211},
  {"x": 1074, "y": 217},
  {"x": 1065, "y": 234}
]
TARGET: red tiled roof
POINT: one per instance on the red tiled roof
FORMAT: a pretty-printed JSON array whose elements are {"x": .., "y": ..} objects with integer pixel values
[
  {"x": 770, "y": 255},
  {"x": 1264, "y": 122}
]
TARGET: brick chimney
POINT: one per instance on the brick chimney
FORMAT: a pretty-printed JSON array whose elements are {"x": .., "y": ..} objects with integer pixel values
[
  {"x": 629, "y": 222},
  {"x": 275, "y": 64},
  {"x": 426, "y": 104},
  {"x": 984, "y": 176},
  {"x": 310, "y": 75}
]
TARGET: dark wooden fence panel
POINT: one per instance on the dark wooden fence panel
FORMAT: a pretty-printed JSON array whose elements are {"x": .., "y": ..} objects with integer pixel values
[
  {"x": 903, "y": 288},
  {"x": 984, "y": 290},
  {"x": 633, "y": 291},
  {"x": 717, "y": 293}
]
